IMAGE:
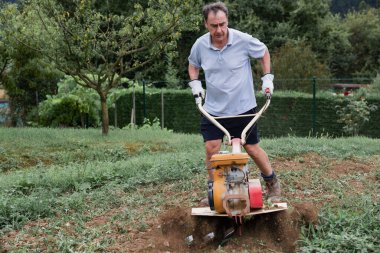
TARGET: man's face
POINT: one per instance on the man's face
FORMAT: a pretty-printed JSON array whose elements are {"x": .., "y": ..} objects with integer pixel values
[{"x": 216, "y": 24}]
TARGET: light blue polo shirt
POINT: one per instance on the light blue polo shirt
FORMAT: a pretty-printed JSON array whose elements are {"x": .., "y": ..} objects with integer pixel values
[{"x": 228, "y": 73}]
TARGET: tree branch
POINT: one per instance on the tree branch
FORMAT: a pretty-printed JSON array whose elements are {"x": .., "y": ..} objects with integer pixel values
[
  {"x": 139, "y": 66},
  {"x": 6, "y": 61}
]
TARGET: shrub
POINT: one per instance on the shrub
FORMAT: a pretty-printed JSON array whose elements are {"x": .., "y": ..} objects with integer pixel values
[
  {"x": 354, "y": 114},
  {"x": 74, "y": 105}
]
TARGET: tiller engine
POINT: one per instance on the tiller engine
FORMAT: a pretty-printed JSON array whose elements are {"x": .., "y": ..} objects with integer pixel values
[{"x": 232, "y": 192}]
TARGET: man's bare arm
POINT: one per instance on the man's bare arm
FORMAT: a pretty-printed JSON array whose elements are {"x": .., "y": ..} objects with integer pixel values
[
  {"x": 193, "y": 72},
  {"x": 265, "y": 63}
]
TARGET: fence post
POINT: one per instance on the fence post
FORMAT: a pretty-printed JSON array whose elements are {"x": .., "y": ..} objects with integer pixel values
[
  {"x": 314, "y": 106},
  {"x": 144, "y": 99},
  {"x": 38, "y": 107},
  {"x": 133, "y": 112},
  {"x": 115, "y": 115},
  {"x": 162, "y": 110}
]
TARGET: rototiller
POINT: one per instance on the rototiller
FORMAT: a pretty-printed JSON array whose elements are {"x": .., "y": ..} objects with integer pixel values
[{"x": 232, "y": 193}]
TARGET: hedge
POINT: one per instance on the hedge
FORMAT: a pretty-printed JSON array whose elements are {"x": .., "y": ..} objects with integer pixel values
[{"x": 290, "y": 113}]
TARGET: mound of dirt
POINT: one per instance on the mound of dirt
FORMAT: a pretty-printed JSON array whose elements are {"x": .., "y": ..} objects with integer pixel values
[{"x": 276, "y": 232}]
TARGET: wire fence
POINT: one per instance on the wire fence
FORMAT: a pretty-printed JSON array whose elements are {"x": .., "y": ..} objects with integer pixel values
[
  {"x": 301, "y": 115},
  {"x": 290, "y": 84}
]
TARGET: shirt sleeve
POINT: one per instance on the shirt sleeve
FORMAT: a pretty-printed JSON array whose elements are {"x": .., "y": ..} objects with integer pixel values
[
  {"x": 256, "y": 49},
  {"x": 194, "y": 57}
]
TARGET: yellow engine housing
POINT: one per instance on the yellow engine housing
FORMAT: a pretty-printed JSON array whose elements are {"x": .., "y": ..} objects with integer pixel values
[
  {"x": 218, "y": 160},
  {"x": 239, "y": 194}
]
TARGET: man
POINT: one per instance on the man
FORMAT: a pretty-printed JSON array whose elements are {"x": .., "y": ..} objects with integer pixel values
[{"x": 224, "y": 55}]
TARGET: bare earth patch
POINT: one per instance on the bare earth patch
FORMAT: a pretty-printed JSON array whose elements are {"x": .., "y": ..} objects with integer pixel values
[{"x": 276, "y": 232}]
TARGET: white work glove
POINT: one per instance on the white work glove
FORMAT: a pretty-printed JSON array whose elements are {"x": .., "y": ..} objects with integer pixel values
[
  {"x": 267, "y": 84},
  {"x": 196, "y": 88}
]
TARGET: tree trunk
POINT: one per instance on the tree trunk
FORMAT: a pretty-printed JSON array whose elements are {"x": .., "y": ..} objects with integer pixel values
[{"x": 105, "y": 118}]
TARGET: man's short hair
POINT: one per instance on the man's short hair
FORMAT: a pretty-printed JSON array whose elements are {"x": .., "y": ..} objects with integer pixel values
[{"x": 214, "y": 7}]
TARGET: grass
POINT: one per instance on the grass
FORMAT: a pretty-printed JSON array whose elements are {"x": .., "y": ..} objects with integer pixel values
[
  {"x": 330, "y": 147},
  {"x": 64, "y": 178},
  {"x": 356, "y": 229}
]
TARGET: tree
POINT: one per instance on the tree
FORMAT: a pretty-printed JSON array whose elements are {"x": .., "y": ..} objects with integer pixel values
[
  {"x": 364, "y": 35},
  {"x": 298, "y": 61},
  {"x": 267, "y": 20},
  {"x": 5, "y": 59},
  {"x": 277, "y": 23},
  {"x": 307, "y": 17},
  {"x": 4, "y": 62},
  {"x": 24, "y": 74},
  {"x": 333, "y": 46},
  {"x": 82, "y": 41}
]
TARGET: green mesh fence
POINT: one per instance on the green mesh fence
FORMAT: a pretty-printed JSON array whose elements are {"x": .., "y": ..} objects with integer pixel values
[{"x": 290, "y": 113}]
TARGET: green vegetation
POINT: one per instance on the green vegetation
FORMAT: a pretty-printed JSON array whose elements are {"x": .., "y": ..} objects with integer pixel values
[
  {"x": 74, "y": 105},
  {"x": 64, "y": 178},
  {"x": 96, "y": 49},
  {"x": 354, "y": 114},
  {"x": 355, "y": 229},
  {"x": 290, "y": 112},
  {"x": 300, "y": 62},
  {"x": 151, "y": 40}
]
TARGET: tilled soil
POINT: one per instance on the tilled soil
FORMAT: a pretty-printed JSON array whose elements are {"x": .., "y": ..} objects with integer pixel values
[{"x": 275, "y": 232}]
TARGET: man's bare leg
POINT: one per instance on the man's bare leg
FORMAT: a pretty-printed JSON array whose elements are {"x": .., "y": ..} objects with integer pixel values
[
  {"x": 212, "y": 148},
  {"x": 260, "y": 158}
]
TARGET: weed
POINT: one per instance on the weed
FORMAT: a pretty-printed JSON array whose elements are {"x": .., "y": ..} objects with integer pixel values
[{"x": 377, "y": 175}]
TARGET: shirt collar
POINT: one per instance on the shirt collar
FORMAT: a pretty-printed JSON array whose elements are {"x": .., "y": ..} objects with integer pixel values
[
  {"x": 229, "y": 41},
  {"x": 230, "y": 37}
]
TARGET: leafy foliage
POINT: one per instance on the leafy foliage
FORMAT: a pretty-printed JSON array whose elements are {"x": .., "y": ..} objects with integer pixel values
[
  {"x": 171, "y": 75},
  {"x": 25, "y": 74},
  {"x": 81, "y": 40},
  {"x": 74, "y": 105},
  {"x": 365, "y": 42},
  {"x": 300, "y": 62},
  {"x": 267, "y": 20},
  {"x": 5, "y": 61},
  {"x": 151, "y": 40},
  {"x": 308, "y": 15},
  {"x": 291, "y": 112},
  {"x": 354, "y": 114},
  {"x": 333, "y": 46}
]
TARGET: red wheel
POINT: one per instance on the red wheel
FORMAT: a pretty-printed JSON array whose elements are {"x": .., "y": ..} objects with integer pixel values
[{"x": 255, "y": 194}]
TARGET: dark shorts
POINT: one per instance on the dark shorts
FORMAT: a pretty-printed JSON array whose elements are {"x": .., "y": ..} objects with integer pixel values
[{"x": 234, "y": 126}]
